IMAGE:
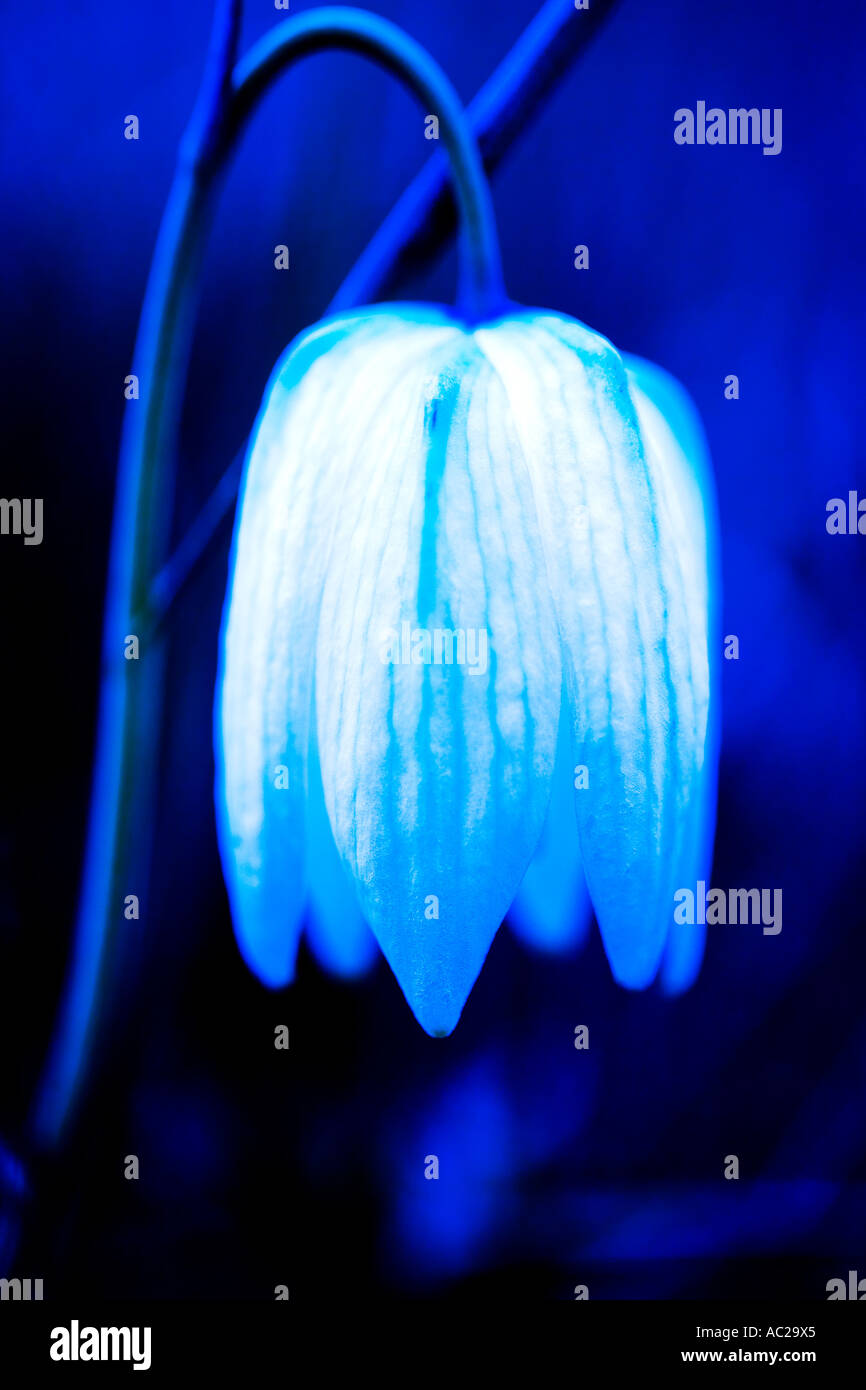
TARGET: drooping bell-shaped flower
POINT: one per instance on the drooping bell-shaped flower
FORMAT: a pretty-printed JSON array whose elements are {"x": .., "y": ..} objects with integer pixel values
[
  {"x": 465, "y": 539},
  {"x": 445, "y": 531}
]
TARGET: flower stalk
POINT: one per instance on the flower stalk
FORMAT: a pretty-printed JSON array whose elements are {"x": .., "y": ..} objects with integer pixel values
[{"x": 131, "y": 690}]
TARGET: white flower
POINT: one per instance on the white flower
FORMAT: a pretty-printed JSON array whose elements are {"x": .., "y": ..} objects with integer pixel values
[{"x": 510, "y": 479}]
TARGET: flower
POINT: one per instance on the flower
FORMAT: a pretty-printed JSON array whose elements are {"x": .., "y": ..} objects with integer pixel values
[{"x": 421, "y": 491}]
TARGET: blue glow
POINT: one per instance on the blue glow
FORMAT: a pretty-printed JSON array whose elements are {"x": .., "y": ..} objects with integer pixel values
[
  {"x": 488, "y": 1123},
  {"x": 447, "y": 1221},
  {"x": 687, "y": 1220}
]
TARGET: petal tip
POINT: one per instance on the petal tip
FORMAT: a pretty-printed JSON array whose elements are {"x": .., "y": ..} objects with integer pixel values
[{"x": 271, "y": 959}]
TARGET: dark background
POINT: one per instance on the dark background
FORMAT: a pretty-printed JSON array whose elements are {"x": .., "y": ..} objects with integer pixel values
[{"x": 558, "y": 1167}]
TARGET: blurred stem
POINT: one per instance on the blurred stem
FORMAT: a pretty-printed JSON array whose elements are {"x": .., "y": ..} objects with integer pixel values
[
  {"x": 130, "y": 703},
  {"x": 130, "y": 690}
]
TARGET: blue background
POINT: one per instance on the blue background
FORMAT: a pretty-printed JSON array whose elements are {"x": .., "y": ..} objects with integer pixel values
[{"x": 558, "y": 1167}]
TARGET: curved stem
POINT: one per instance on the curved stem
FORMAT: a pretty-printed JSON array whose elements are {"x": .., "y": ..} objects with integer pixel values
[
  {"x": 423, "y": 218},
  {"x": 131, "y": 690},
  {"x": 481, "y": 293},
  {"x": 417, "y": 226}
]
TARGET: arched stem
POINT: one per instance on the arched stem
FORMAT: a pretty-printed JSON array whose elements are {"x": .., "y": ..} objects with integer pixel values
[
  {"x": 423, "y": 218},
  {"x": 481, "y": 293},
  {"x": 130, "y": 701},
  {"x": 417, "y": 226}
]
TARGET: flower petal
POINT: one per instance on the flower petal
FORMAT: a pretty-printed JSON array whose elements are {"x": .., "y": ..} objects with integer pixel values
[
  {"x": 636, "y": 654},
  {"x": 672, "y": 431},
  {"x": 436, "y": 774},
  {"x": 337, "y": 934},
  {"x": 552, "y": 909},
  {"x": 292, "y": 479}
]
